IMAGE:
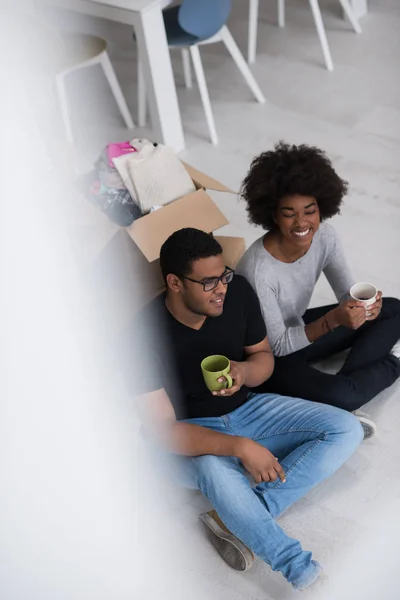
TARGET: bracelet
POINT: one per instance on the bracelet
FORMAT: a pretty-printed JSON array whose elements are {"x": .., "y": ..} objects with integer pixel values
[{"x": 327, "y": 323}]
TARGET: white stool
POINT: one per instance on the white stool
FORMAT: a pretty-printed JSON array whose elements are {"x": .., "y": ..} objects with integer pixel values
[{"x": 85, "y": 51}]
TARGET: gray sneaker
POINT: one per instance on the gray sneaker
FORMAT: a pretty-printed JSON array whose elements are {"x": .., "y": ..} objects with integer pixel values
[
  {"x": 368, "y": 425},
  {"x": 232, "y": 550}
]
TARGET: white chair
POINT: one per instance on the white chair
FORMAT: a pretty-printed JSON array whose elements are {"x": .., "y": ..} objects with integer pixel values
[
  {"x": 186, "y": 28},
  {"x": 81, "y": 51},
  {"x": 253, "y": 20}
]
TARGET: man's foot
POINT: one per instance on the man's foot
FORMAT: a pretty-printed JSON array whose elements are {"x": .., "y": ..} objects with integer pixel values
[
  {"x": 396, "y": 350},
  {"x": 368, "y": 425},
  {"x": 232, "y": 550}
]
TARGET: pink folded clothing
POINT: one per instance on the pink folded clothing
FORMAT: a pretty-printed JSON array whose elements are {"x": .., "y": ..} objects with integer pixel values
[{"x": 118, "y": 149}]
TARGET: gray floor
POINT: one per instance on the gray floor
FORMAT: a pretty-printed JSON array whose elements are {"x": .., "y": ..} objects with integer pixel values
[{"x": 350, "y": 522}]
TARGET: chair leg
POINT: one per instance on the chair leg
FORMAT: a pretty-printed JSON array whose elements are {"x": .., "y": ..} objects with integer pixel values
[
  {"x": 187, "y": 71},
  {"x": 243, "y": 67},
  {"x": 350, "y": 15},
  {"x": 252, "y": 35},
  {"x": 63, "y": 100},
  {"x": 141, "y": 94},
  {"x": 205, "y": 98},
  {"x": 116, "y": 89},
  {"x": 281, "y": 13},
  {"x": 321, "y": 34}
]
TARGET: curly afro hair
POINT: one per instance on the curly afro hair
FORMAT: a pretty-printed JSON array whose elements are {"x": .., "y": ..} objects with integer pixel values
[{"x": 286, "y": 171}]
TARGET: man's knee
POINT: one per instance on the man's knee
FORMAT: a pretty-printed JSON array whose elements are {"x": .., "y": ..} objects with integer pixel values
[
  {"x": 349, "y": 425},
  {"x": 344, "y": 430}
]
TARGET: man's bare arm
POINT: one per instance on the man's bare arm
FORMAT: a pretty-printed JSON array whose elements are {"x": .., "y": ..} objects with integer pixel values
[{"x": 158, "y": 417}]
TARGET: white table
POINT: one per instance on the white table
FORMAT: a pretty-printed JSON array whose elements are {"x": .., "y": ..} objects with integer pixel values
[{"x": 145, "y": 16}]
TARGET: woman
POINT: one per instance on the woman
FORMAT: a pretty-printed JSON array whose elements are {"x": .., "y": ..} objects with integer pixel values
[{"x": 290, "y": 192}]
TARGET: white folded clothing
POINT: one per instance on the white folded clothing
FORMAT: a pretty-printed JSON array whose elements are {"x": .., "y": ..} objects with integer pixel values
[{"x": 153, "y": 175}]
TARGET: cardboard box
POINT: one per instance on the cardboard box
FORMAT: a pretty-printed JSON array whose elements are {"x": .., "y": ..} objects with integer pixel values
[
  {"x": 194, "y": 210},
  {"x": 127, "y": 271}
]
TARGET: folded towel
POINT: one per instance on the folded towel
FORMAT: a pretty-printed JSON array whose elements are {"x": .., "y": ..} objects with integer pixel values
[{"x": 153, "y": 175}]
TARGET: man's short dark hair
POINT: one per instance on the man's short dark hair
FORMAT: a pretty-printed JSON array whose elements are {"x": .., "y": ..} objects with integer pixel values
[
  {"x": 290, "y": 170},
  {"x": 185, "y": 246}
]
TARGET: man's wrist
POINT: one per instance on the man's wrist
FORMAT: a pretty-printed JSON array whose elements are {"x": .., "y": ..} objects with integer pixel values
[
  {"x": 246, "y": 372},
  {"x": 239, "y": 446}
]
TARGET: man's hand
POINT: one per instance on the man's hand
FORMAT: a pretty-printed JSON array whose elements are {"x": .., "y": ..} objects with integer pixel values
[
  {"x": 351, "y": 314},
  {"x": 238, "y": 374},
  {"x": 373, "y": 310},
  {"x": 259, "y": 462}
]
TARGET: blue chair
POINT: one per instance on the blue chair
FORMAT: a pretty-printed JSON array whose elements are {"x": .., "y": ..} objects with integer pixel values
[{"x": 188, "y": 26}]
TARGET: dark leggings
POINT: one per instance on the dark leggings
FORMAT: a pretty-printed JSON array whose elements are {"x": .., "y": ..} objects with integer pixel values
[{"x": 368, "y": 368}]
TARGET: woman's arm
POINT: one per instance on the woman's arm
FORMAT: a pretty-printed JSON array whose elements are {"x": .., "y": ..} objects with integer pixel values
[
  {"x": 286, "y": 340},
  {"x": 338, "y": 274},
  {"x": 283, "y": 340},
  {"x": 336, "y": 269}
]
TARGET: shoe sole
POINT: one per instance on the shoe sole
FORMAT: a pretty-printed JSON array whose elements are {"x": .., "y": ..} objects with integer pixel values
[
  {"x": 232, "y": 550},
  {"x": 368, "y": 426}
]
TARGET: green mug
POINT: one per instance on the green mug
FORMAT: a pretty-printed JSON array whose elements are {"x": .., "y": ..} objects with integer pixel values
[{"x": 214, "y": 367}]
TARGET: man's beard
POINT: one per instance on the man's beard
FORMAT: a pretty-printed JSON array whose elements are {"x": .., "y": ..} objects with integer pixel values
[{"x": 196, "y": 309}]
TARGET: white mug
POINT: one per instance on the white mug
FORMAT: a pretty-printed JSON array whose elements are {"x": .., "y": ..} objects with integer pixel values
[{"x": 364, "y": 292}]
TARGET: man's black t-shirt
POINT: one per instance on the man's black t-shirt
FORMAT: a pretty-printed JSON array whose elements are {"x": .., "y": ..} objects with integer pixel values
[{"x": 166, "y": 354}]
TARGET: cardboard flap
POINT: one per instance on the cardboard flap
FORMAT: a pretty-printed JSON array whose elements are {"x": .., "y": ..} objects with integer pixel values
[
  {"x": 233, "y": 249},
  {"x": 205, "y": 181},
  {"x": 195, "y": 210}
]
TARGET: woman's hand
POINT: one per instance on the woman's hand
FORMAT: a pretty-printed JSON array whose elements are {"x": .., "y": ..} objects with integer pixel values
[
  {"x": 373, "y": 310},
  {"x": 351, "y": 314}
]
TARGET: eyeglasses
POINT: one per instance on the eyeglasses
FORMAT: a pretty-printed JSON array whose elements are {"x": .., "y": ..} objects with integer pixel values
[{"x": 210, "y": 284}]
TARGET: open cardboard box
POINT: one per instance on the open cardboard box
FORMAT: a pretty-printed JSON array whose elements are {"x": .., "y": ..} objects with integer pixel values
[
  {"x": 194, "y": 210},
  {"x": 130, "y": 259}
]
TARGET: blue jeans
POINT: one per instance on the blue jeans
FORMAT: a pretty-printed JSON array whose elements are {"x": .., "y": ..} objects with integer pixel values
[{"x": 311, "y": 441}]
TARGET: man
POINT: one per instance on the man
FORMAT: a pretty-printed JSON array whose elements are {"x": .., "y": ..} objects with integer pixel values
[{"x": 216, "y": 440}]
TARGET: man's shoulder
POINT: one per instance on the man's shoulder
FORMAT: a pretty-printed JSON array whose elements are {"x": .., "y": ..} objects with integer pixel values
[
  {"x": 239, "y": 282},
  {"x": 154, "y": 308},
  {"x": 151, "y": 316},
  {"x": 239, "y": 287}
]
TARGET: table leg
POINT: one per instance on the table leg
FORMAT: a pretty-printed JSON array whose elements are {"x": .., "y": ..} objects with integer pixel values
[{"x": 159, "y": 79}]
